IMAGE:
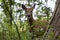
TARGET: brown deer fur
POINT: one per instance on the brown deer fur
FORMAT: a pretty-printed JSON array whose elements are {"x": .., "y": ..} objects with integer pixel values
[{"x": 31, "y": 21}]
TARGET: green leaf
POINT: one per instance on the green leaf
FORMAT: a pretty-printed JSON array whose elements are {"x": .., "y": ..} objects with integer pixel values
[{"x": 0, "y": 0}]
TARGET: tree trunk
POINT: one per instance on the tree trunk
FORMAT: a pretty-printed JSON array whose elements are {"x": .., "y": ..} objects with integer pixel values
[{"x": 55, "y": 22}]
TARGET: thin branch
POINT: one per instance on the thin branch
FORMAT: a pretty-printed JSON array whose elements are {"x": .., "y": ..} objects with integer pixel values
[{"x": 17, "y": 30}]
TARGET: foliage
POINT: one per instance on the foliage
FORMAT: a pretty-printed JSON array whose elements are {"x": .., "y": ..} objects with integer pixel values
[{"x": 11, "y": 25}]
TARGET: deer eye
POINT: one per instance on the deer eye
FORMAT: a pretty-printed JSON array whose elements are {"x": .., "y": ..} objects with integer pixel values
[{"x": 31, "y": 11}]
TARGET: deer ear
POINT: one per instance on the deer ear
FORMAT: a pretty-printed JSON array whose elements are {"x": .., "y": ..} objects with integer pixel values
[
  {"x": 23, "y": 6},
  {"x": 34, "y": 6}
]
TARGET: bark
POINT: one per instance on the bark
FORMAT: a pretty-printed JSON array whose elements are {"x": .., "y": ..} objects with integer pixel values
[{"x": 55, "y": 22}]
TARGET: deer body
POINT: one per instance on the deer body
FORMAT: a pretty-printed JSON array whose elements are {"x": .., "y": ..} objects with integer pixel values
[{"x": 31, "y": 21}]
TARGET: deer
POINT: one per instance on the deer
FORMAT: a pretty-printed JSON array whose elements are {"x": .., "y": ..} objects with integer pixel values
[{"x": 32, "y": 23}]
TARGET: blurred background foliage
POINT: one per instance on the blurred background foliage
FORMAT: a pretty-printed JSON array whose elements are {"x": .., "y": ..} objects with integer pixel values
[{"x": 13, "y": 23}]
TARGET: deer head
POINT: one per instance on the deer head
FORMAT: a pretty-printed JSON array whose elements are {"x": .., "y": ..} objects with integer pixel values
[
  {"x": 29, "y": 13},
  {"x": 28, "y": 10}
]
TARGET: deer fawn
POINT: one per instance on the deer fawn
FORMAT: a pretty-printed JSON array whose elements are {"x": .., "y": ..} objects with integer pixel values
[{"x": 34, "y": 25}]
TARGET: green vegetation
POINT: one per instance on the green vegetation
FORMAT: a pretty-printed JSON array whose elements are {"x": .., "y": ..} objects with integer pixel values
[{"x": 13, "y": 28}]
